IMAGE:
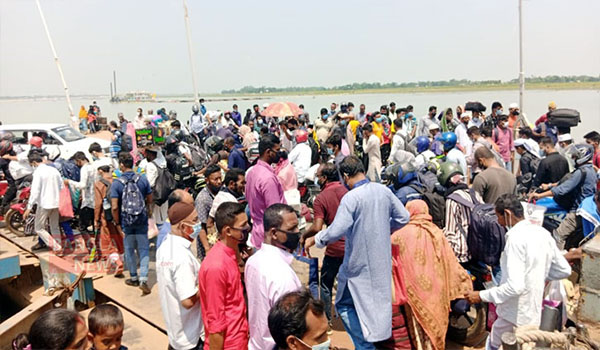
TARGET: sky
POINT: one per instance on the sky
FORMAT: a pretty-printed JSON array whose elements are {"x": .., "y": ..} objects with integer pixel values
[{"x": 288, "y": 43}]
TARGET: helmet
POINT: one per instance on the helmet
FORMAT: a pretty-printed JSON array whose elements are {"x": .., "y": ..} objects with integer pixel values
[
  {"x": 195, "y": 109},
  {"x": 36, "y": 141},
  {"x": 213, "y": 144},
  {"x": 399, "y": 174},
  {"x": 172, "y": 114},
  {"x": 301, "y": 136},
  {"x": 5, "y": 147},
  {"x": 582, "y": 154},
  {"x": 422, "y": 143},
  {"x": 6, "y": 135},
  {"x": 448, "y": 139},
  {"x": 446, "y": 171},
  {"x": 177, "y": 134},
  {"x": 171, "y": 143}
]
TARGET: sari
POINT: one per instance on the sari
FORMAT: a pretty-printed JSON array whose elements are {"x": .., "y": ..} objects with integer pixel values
[{"x": 431, "y": 277}]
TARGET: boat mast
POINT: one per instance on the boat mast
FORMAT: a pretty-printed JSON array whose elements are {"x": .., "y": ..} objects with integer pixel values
[
  {"x": 190, "y": 51},
  {"x": 74, "y": 120}
]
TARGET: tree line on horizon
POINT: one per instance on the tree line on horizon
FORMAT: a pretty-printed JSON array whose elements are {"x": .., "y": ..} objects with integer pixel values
[{"x": 421, "y": 84}]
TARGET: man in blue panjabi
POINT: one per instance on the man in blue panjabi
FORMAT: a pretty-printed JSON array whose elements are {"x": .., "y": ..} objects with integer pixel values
[{"x": 367, "y": 215}]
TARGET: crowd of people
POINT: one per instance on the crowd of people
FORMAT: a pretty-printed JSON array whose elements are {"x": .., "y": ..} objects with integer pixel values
[{"x": 394, "y": 211}]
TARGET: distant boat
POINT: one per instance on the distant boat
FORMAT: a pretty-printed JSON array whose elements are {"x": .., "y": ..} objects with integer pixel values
[{"x": 134, "y": 96}]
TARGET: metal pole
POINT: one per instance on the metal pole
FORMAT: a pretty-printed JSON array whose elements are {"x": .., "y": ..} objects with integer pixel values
[
  {"x": 115, "y": 80},
  {"x": 74, "y": 120},
  {"x": 521, "y": 72},
  {"x": 111, "y": 90},
  {"x": 190, "y": 51}
]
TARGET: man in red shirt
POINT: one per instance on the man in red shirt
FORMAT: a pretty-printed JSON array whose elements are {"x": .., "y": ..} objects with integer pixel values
[
  {"x": 325, "y": 207},
  {"x": 220, "y": 285}
]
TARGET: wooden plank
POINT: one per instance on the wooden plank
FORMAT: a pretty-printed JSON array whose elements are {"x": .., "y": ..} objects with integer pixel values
[{"x": 139, "y": 334}]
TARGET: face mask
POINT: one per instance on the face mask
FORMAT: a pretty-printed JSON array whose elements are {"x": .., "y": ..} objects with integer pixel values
[
  {"x": 323, "y": 346},
  {"x": 197, "y": 228},
  {"x": 499, "y": 112},
  {"x": 95, "y": 158},
  {"x": 329, "y": 151},
  {"x": 343, "y": 123},
  {"x": 325, "y": 117},
  {"x": 245, "y": 233},
  {"x": 292, "y": 241},
  {"x": 379, "y": 120},
  {"x": 289, "y": 132},
  {"x": 214, "y": 188},
  {"x": 345, "y": 184}
]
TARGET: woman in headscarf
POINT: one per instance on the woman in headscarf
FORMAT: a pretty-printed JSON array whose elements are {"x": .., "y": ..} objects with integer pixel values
[
  {"x": 426, "y": 268},
  {"x": 448, "y": 122},
  {"x": 83, "y": 123}
]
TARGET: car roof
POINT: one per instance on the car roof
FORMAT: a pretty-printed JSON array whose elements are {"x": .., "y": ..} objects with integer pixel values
[{"x": 32, "y": 126}]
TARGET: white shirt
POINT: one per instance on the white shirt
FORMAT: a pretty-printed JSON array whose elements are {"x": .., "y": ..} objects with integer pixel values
[
  {"x": 397, "y": 141},
  {"x": 268, "y": 276},
  {"x": 424, "y": 157},
  {"x": 530, "y": 257},
  {"x": 220, "y": 198},
  {"x": 139, "y": 122},
  {"x": 86, "y": 185},
  {"x": 45, "y": 187},
  {"x": 20, "y": 168},
  {"x": 101, "y": 161},
  {"x": 475, "y": 122},
  {"x": 300, "y": 157},
  {"x": 463, "y": 139},
  {"x": 424, "y": 123},
  {"x": 177, "y": 278}
]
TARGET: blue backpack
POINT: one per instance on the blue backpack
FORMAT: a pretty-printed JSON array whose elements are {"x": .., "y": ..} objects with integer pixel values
[{"x": 133, "y": 203}]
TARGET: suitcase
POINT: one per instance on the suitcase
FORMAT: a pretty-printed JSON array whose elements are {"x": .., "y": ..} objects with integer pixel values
[
  {"x": 475, "y": 107},
  {"x": 564, "y": 117}
]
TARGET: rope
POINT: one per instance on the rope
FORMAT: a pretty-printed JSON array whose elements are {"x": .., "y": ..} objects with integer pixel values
[{"x": 532, "y": 334}]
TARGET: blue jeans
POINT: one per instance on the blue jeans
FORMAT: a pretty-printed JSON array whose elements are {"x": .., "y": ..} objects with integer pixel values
[
  {"x": 508, "y": 165},
  {"x": 329, "y": 271},
  {"x": 347, "y": 311},
  {"x": 136, "y": 238},
  {"x": 83, "y": 125}
]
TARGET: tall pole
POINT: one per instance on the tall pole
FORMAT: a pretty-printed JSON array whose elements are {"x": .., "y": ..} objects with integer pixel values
[
  {"x": 111, "y": 90},
  {"x": 521, "y": 72},
  {"x": 115, "y": 81},
  {"x": 190, "y": 51},
  {"x": 74, "y": 120}
]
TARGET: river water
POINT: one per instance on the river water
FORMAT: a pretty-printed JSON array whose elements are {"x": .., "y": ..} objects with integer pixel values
[{"x": 587, "y": 102}]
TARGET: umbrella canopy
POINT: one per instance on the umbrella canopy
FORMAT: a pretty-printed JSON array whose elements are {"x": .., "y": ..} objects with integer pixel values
[{"x": 282, "y": 109}]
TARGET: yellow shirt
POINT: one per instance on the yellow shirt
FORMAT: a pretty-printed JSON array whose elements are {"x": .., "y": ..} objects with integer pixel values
[{"x": 378, "y": 130}]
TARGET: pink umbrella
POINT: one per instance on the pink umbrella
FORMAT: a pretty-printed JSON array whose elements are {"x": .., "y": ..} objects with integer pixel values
[{"x": 282, "y": 109}]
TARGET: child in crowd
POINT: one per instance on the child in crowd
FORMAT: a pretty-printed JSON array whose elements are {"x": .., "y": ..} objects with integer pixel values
[{"x": 106, "y": 326}]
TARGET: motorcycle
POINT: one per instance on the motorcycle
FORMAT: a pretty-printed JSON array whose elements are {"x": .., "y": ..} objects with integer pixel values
[
  {"x": 468, "y": 323},
  {"x": 14, "y": 216}
]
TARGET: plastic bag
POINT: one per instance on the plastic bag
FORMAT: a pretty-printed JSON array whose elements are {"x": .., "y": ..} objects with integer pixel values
[
  {"x": 555, "y": 295},
  {"x": 152, "y": 229},
  {"x": 65, "y": 206},
  {"x": 534, "y": 213}
]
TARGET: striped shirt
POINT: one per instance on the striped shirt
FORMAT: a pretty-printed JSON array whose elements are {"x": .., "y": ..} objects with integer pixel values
[{"x": 457, "y": 225}]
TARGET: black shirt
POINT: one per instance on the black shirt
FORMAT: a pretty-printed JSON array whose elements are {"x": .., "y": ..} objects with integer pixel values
[{"x": 551, "y": 169}]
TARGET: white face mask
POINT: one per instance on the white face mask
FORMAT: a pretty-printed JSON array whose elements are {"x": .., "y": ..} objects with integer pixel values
[
  {"x": 508, "y": 225},
  {"x": 323, "y": 346}
]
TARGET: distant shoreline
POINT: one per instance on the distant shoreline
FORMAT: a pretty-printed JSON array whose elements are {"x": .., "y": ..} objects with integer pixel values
[{"x": 436, "y": 89}]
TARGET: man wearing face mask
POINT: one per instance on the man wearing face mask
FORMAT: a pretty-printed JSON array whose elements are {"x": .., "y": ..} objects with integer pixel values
[
  {"x": 233, "y": 189},
  {"x": 530, "y": 258},
  {"x": 221, "y": 291},
  {"x": 301, "y": 155},
  {"x": 203, "y": 204},
  {"x": 263, "y": 188},
  {"x": 268, "y": 274},
  {"x": 177, "y": 278},
  {"x": 297, "y": 322},
  {"x": 552, "y": 167},
  {"x": 491, "y": 121},
  {"x": 323, "y": 125},
  {"x": 325, "y": 207}
]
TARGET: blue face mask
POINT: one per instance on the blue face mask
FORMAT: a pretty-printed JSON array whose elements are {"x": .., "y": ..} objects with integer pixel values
[
  {"x": 325, "y": 117},
  {"x": 499, "y": 112},
  {"x": 329, "y": 151},
  {"x": 197, "y": 228},
  {"x": 343, "y": 123},
  {"x": 379, "y": 120}
]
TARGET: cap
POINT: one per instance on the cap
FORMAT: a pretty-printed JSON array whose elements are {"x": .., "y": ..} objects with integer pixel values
[
  {"x": 513, "y": 106},
  {"x": 180, "y": 211},
  {"x": 552, "y": 104},
  {"x": 466, "y": 114},
  {"x": 265, "y": 105},
  {"x": 434, "y": 126},
  {"x": 565, "y": 137},
  {"x": 519, "y": 142}
]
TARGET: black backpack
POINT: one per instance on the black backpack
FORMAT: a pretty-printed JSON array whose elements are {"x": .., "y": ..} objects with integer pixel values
[
  {"x": 486, "y": 237},
  {"x": 436, "y": 204},
  {"x": 183, "y": 170},
  {"x": 568, "y": 200},
  {"x": 126, "y": 143},
  {"x": 314, "y": 148},
  {"x": 164, "y": 185}
]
